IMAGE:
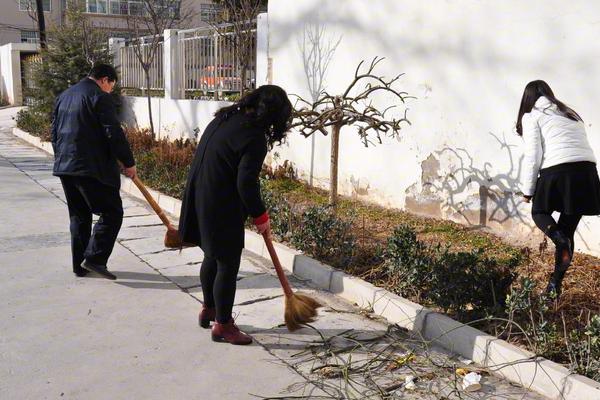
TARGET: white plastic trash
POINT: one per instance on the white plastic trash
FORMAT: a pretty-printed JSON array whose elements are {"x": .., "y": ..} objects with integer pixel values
[
  {"x": 471, "y": 382},
  {"x": 465, "y": 361},
  {"x": 409, "y": 382}
]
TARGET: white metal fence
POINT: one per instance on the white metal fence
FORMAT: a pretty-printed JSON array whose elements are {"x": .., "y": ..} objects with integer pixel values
[
  {"x": 208, "y": 64},
  {"x": 132, "y": 73},
  {"x": 211, "y": 65}
]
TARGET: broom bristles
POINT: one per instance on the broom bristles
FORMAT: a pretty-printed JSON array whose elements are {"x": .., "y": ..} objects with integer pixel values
[
  {"x": 300, "y": 309},
  {"x": 172, "y": 239}
]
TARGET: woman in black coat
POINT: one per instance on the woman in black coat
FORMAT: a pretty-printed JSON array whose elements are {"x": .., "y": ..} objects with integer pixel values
[{"x": 223, "y": 189}]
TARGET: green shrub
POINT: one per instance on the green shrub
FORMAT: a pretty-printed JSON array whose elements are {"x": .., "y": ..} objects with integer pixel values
[
  {"x": 407, "y": 262},
  {"x": 283, "y": 219},
  {"x": 527, "y": 314},
  {"x": 458, "y": 282},
  {"x": 35, "y": 123},
  {"x": 468, "y": 280},
  {"x": 322, "y": 234},
  {"x": 584, "y": 348}
]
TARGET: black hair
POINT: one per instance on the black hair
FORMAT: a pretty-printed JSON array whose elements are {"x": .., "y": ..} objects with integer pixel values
[
  {"x": 269, "y": 108},
  {"x": 100, "y": 71},
  {"x": 533, "y": 91}
]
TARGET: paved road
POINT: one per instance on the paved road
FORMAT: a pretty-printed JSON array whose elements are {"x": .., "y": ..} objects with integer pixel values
[{"x": 63, "y": 337}]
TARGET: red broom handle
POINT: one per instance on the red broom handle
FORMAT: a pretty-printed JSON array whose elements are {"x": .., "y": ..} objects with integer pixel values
[{"x": 278, "y": 268}]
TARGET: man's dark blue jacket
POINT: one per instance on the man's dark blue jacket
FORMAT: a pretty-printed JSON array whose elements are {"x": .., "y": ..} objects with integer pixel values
[{"x": 87, "y": 137}]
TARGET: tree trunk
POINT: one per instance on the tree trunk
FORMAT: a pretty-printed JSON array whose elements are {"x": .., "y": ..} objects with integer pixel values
[
  {"x": 41, "y": 22},
  {"x": 149, "y": 103},
  {"x": 333, "y": 171}
]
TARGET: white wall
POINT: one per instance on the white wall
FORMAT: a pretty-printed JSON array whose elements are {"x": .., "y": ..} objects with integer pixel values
[
  {"x": 467, "y": 63},
  {"x": 10, "y": 70},
  {"x": 172, "y": 118}
]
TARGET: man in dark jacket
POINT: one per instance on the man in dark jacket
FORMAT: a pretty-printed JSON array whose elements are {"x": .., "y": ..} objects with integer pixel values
[{"x": 88, "y": 144}]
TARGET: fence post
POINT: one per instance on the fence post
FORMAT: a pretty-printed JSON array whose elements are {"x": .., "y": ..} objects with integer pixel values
[
  {"x": 263, "y": 74},
  {"x": 172, "y": 66},
  {"x": 114, "y": 47}
]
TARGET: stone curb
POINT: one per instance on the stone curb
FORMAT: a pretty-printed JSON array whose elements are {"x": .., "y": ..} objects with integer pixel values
[
  {"x": 515, "y": 364},
  {"x": 34, "y": 140}
]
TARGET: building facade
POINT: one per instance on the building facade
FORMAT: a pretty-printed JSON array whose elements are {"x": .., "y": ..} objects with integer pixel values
[{"x": 18, "y": 17}]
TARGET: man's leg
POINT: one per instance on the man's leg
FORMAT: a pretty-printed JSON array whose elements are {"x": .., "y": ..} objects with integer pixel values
[
  {"x": 105, "y": 201},
  {"x": 80, "y": 217}
]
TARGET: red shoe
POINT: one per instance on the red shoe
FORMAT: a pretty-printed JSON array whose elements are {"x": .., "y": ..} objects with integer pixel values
[
  {"x": 206, "y": 316},
  {"x": 229, "y": 333}
]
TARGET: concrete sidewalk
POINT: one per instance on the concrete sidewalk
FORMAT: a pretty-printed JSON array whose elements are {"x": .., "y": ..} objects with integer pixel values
[{"x": 137, "y": 337}]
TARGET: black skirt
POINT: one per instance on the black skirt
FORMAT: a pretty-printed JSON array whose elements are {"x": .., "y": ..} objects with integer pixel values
[{"x": 570, "y": 188}]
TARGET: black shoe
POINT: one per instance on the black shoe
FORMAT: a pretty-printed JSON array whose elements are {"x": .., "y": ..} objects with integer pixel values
[
  {"x": 100, "y": 269},
  {"x": 80, "y": 272}
]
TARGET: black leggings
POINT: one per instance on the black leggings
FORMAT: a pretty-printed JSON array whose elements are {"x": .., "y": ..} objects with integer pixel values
[
  {"x": 567, "y": 224},
  {"x": 218, "y": 277}
]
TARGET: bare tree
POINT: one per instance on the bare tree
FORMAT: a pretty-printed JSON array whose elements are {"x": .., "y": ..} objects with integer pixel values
[
  {"x": 147, "y": 24},
  {"x": 237, "y": 24},
  {"x": 354, "y": 107}
]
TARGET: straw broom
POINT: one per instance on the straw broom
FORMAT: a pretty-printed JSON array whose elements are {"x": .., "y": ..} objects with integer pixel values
[
  {"x": 299, "y": 308},
  {"x": 172, "y": 238}
]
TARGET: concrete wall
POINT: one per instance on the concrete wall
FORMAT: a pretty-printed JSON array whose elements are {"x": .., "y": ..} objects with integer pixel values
[
  {"x": 10, "y": 70},
  {"x": 172, "y": 118},
  {"x": 467, "y": 63}
]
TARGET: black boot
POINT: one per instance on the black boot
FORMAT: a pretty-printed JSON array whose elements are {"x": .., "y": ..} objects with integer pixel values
[
  {"x": 554, "y": 288},
  {"x": 562, "y": 260}
]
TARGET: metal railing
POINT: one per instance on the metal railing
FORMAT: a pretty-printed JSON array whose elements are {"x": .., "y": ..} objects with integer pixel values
[
  {"x": 211, "y": 66},
  {"x": 29, "y": 64},
  {"x": 207, "y": 62},
  {"x": 132, "y": 73}
]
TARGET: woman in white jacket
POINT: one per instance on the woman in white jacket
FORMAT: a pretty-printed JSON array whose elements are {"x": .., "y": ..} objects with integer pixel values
[{"x": 559, "y": 171}]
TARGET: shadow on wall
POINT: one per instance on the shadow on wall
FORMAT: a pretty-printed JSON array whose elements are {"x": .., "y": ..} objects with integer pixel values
[
  {"x": 317, "y": 48},
  {"x": 476, "y": 196},
  {"x": 3, "y": 92}
]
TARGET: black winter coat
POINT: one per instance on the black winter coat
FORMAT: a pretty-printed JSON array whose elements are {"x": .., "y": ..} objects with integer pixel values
[
  {"x": 87, "y": 138},
  {"x": 222, "y": 187}
]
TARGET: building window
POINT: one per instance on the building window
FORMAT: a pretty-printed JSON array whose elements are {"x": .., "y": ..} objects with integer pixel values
[
  {"x": 209, "y": 12},
  {"x": 136, "y": 8},
  {"x": 26, "y": 5},
  {"x": 97, "y": 6},
  {"x": 30, "y": 37},
  {"x": 125, "y": 7}
]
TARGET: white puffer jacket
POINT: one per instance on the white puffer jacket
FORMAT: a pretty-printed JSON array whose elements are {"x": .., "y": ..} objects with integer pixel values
[{"x": 550, "y": 139}]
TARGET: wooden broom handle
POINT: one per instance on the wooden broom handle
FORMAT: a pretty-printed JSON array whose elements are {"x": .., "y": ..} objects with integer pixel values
[
  {"x": 152, "y": 202},
  {"x": 285, "y": 284}
]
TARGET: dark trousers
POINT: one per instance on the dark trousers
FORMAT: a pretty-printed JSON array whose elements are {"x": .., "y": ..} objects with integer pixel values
[
  {"x": 218, "y": 277},
  {"x": 87, "y": 196},
  {"x": 567, "y": 224}
]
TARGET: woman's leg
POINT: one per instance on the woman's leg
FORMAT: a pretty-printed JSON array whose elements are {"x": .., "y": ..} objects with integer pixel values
[
  {"x": 225, "y": 285},
  {"x": 563, "y": 254},
  {"x": 568, "y": 224},
  {"x": 545, "y": 222},
  {"x": 208, "y": 273},
  {"x": 559, "y": 235}
]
